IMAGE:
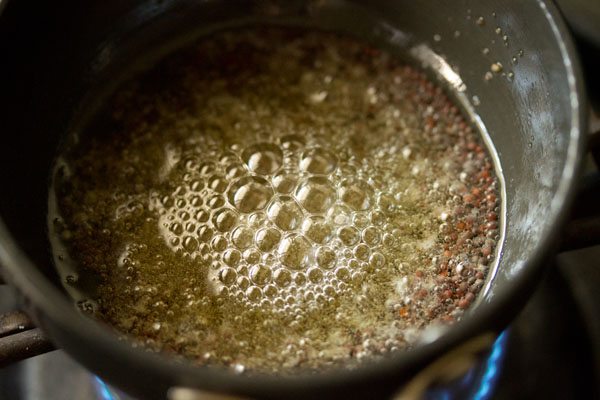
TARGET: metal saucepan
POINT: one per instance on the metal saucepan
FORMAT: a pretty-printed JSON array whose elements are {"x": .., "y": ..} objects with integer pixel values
[{"x": 53, "y": 53}]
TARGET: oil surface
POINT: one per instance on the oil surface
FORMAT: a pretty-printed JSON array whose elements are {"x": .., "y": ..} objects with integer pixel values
[{"x": 270, "y": 199}]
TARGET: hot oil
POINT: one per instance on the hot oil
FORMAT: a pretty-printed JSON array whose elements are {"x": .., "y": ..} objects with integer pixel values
[{"x": 269, "y": 199}]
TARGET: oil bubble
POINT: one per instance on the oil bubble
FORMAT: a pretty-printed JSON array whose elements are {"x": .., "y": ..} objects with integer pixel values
[
  {"x": 316, "y": 195},
  {"x": 250, "y": 194},
  {"x": 263, "y": 158},
  {"x": 294, "y": 251},
  {"x": 356, "y": 194},
  {"x": 285, "y": 213},
  {"x": 318, "y": 161}
]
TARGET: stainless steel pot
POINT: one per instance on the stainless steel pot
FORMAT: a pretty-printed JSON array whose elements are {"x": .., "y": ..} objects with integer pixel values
[{"x": 54, "y": 54}]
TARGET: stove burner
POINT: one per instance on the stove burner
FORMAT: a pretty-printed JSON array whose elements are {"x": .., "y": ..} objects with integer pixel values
[{"x": 477, "y": 384}]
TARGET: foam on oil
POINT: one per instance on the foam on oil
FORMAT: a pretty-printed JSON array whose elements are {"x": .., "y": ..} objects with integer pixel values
[{"x": 268, "y": 199}]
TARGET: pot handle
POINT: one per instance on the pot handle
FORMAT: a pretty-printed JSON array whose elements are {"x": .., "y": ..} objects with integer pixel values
[
  {"x": 583, "y": 227},
  {"x": 581, "y": 272}
]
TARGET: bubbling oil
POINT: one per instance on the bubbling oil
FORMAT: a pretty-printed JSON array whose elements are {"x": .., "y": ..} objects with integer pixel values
[{"x": 270, "y": 199}]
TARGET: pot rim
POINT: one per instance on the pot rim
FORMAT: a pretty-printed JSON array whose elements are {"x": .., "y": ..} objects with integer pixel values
[{"x": 46, "y": 297}]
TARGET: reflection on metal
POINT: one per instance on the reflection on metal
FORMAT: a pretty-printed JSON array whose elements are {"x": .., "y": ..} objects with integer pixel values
[
  {"x": 103, "y": 391},
  {"x": 179, "y": 393},
  {"x": 447, "y": 368},
  {"x": 574, "y": 149},
  {"x": 431, "y": 59},
  {"x": 392, "y": 34}
]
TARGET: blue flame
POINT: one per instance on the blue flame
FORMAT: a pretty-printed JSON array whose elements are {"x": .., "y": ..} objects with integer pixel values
[
  {"x": 480, "y": 381},
  {"x": 492, "y": 370},
  {"x": 103, "y": 390}
]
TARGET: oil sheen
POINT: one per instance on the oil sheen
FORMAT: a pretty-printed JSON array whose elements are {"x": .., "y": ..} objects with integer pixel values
[{"x": 271, "y": 199}]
